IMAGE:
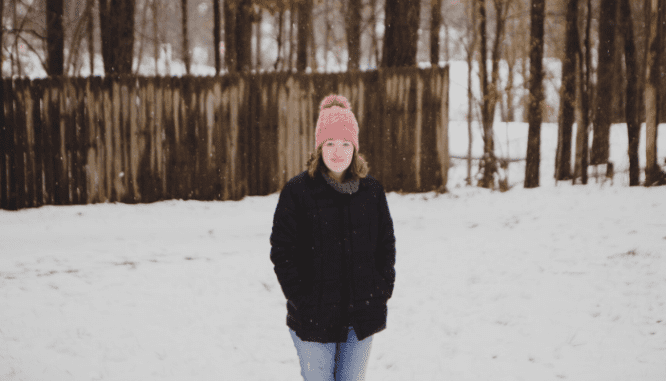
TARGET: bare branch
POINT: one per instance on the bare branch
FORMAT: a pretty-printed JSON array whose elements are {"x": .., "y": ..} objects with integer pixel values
[{"x": 28, "y": 31}]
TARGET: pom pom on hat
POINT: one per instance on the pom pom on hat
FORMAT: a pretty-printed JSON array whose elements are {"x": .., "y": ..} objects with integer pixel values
[{"x": 336, "y": 121}]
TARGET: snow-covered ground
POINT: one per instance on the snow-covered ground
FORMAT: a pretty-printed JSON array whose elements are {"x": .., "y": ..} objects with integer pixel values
[{"x": 554, "y": 283}]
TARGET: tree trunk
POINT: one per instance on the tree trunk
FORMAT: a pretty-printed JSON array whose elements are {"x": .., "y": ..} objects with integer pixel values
[
  {"x": 90, "y": 18},
  {"x": 244, "y": 35},
  {"x": 511, "y": 55},
  {"x": 373, "y": 31},
  {"x": 312, "y": 47},
  {"x": 400, "y": 33},
  {"x": 117, "y": 30},
  {"x": 489, "y": 90},
  {"x": 447, "y": 41},
  {"x": 510, "y": 109},
  {"x": 470, "y": 49},
  {"x": 216, "y": 36},
  {"x": 353, "y": 27},
  {"x": 259, "y": 18},
  {"x": 156, "y": 39},
  {"x": 290, "y": 59},
  {"x": 186, "y": 42},
  {"x": 55, "y": 38},
  {"x": 581, "y": 132},
  {"x": 585, "y": 95},
  {"x": 588, "y": 98},
  {"x": 488, "y": 143},
  {"x": 470, "y": 136},
  {"x": 619, "y": 77},
  {"x": 327, "y": 35},
  {"x": 2, "y": 99},
  {"x": 435, "y": 25},
  {"x": 536, "y": 94},
  {"x": 653, "y": 174},
  {"x": 661, "y": 115},
  {"x": 567, "y": 94},
  {"x": 230, "y": 36},
  {"x": 631, "y": 108},
  {"x": 644, "y": 61},
  {"x": 141, "y": 40},
  {"x": 605, "y": 70},
  {"x": 279, "y": 41},
  {"x": 304, "y": 22}
]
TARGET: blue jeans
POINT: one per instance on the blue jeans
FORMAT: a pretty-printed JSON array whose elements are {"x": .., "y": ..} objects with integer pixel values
[{"x": 333, "y": 361}]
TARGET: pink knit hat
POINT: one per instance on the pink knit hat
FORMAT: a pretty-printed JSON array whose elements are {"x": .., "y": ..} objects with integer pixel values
[{"x": 336, "y": 122}]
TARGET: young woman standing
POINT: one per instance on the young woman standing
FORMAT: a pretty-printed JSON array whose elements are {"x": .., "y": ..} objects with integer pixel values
[{"x": 333, "y": 248}]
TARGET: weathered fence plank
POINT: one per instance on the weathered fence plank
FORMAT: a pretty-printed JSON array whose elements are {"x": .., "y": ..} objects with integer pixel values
[
  {"x": 145, "y": 171},
  {"x": 106, "y": 138},
  {"x": 38, "y": 141},
  {"x": 82, "y": 131},
  {"x": 4, "y": 154},
  {"x": 11, "y": 148},
  {"x": 22, "y": 135},
  {"x": 30, "y": 171},
  {"x": 170, "y": 134}
]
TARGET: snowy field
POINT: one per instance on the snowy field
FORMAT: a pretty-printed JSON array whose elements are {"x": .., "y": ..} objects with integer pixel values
[{"x": 556, "y": 283}]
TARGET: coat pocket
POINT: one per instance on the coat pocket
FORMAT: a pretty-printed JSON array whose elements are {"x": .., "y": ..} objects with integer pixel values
[
  {"x": 307, "y": 299},
  {"x": 382, "y": 286}
]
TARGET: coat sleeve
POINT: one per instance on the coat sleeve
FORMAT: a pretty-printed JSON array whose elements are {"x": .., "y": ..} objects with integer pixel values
[
  {"x": 386, "y": 244},
  {"x": 284, "y": 245}
]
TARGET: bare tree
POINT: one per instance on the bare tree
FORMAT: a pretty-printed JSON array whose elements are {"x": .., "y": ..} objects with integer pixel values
[
  {"x": 55, "y": 43},
  {"x": 2, "y": 90},
  {"x": 401, "y": 24},
  {"x": 142, "y": 36},
  {"x": 90, "y": 19},
  {"x": 567, "y": 93},
  {"x": 631, "y": 108},
  {"x": 435, "y": 25},
  {"x": 304, "y": 26},
  {"x": 584, "y": 96},
  {"x": 216, "y": 35},
  {"x": 237, "y": 35},
  {"x": 257, "y": 22},
  {"x": 604, "y": 98},
  {"x": 470, "y": 48},
  {"x": 653, "y": 174},
  {"x": 374, "y": 41},
  {"x": 277, "y": 65},
  {"x": 243, "y": 35},
  {"x": 327, "y": 32},
  {"x": 353, "y": 28},
  {"x": 489, "y": 86},
  {"x": 537, "y": 15},
  {"x": 83, "y": 31},
  {"x": 230, "y": 36},
  {"x": 515, "y": 49},
  {"x": 156, "y": 39},
  {"x": 186, "y": 43},
  {"x": 290, "y": 60},
  {"x": 117, "y": 27}
]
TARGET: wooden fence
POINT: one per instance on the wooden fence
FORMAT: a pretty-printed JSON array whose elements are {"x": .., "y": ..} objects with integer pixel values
[{"x": 137, "y": 140}]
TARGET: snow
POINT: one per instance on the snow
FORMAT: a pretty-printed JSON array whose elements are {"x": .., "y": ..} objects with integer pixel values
[{"x": 554, "y": 283}]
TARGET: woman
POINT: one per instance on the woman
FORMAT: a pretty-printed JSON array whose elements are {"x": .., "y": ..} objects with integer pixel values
[{"x": 333, "y": 249}]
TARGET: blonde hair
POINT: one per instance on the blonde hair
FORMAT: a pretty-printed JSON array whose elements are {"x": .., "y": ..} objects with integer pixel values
[{"x": 358, "y": 169}]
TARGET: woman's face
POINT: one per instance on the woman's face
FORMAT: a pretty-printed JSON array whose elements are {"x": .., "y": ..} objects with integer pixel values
[{"x": 337, "y": 154}]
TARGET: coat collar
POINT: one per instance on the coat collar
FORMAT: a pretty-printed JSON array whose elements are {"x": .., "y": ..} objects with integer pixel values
[{"x": 321, "y": 185}]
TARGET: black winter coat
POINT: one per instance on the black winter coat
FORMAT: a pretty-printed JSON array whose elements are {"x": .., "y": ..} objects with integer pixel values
[{"x": 334, "y": 256}]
